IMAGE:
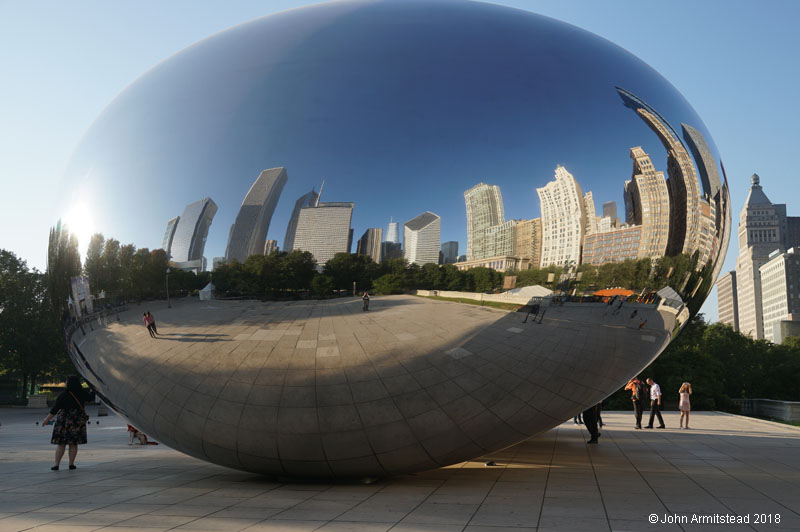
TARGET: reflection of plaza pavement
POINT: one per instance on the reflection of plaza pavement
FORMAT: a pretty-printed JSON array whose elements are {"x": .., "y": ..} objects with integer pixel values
[
  {"x": 320, "y": 388},
  {"x": 553, "y": 481}
]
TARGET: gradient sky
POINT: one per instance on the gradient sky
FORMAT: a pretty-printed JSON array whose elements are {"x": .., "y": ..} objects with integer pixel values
[{"x": 62, "y": 64}]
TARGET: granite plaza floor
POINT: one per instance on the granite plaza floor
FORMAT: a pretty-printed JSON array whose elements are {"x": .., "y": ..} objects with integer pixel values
[{"x": 724, "y": 465}]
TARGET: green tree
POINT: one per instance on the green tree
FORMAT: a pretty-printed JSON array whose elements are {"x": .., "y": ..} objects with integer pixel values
[
  {"x": 93, "y": 265},
  {"x": 322, "y": 285}
]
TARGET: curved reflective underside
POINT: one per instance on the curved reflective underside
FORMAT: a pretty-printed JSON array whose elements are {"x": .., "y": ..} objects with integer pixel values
[{"x": 447, "y": 132}]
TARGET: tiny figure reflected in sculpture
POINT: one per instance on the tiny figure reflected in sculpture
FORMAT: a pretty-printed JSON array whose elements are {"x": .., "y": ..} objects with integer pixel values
[
  {"x": 139, "y": 435},
  {"x": 684, "y": 405},
  {"x": 146, "y": 320},
  {"x": 655, "y": 404},
  {"x": 590, "y": 420},
  {"x": 152, "y": 322},
  {"x": 70, "y": 425},
  {"x": 365, "y": 299},
  {"x": 642, "y": 324},
  {"x": 577, "y": 419}
]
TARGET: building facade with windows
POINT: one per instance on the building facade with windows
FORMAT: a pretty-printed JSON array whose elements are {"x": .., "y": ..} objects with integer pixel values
[
  {"x": 190, "y": 236},
  {"x": 780, "y": 289},
  {"x": 612, "y": 245},
  {"x": 324, "y": 230},
  {"x": 484, "y": 205},
  {"x": 249, "y": 233},
  {"x": 563, "y": 220},
  {"x": 422, "y": 239},
  {"x": 727, "y": 305},
  {"x": 370, "y": 243}
]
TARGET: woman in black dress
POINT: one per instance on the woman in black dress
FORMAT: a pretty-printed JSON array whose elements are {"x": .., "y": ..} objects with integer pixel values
[{"x": 70, "y": 426}]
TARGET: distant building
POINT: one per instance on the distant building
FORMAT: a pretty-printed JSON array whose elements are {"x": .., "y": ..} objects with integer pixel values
[
  {"x": 393, "y": 232},
  {"x": 613, "y": 245},
  {"x": 484, "y": 205},
  {"x": 216, "y": 262},
  {"x": 563, "y": 220},
  {"x": 610, "y": 211},
  {"x": 462, "y": 258},
  {"x": 391, "y": 250},
  {"x": 190, "y": 236},
  {"x": 499, "y": 239},
  {"x": 780, "y": 289},
  {"x": 449, "y": 252},
  {"x": 270, "y": 246},
  {"x": 590, "y": 224},
  {"x": 647, "y": 204},
  {"x": 727, "y": 306},
  {"x": 306, "y": 200},
  {"x": 370, "y": 244},
  {"x": 528, "y": 240},
  {"x": 421, "y": 236},
  {"x": 324, "y": 230},
  {"x": 249, "y": 232},
  {"x": 169, "y": 235},
  {"x": 500, "y": 263},
  {"x": 762, "y": 230}
]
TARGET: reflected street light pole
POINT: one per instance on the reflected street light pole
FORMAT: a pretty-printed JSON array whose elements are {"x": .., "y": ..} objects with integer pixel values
[{"x": 168, "y": 303}]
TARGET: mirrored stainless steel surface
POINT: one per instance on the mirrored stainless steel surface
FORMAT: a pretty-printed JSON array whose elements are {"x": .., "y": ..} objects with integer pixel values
[{"x": 530, "y": 143}]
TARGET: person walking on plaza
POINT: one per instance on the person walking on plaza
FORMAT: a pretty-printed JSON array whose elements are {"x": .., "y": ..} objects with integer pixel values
[
  {"x": 655, "y": 404},
  {"x": 684, "y": 405},
  {"x": 149, "y": 325},
  {"x": 590, "y": 420},
  {"x": 70, "y": 425},
  {"x": 365, "y": 299},
  {"x": 152, "y": 322},
  {"x": 638, "y": 391}
]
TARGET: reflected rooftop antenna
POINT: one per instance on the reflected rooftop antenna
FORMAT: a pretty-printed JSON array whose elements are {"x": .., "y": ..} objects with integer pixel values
[{"x": 320, "y": 193}]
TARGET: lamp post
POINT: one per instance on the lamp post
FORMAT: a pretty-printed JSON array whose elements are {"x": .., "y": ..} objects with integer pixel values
[{"x": 168, "y": 303}]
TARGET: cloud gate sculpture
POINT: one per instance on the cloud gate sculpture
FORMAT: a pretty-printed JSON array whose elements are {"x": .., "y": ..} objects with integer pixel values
[{"x": 464, "y": 134}]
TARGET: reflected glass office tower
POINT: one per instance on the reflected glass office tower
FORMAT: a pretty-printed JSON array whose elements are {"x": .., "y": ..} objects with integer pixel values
[
  {"x": 591, "y": 222},
  {"x": 449, "y": 252},
  {"x": 306, "y": 200},
  {"x": 727, "y": 304},
  {"x": 249, "y": 233},
  {"x": 169, "y": 235},
  {"x": 484, "y": 209},
  {"x": 393, "y": 233},
  {"x": 270, "y": 246},
  {"x": 189, "y": 241},
  {"x": 610, "y": 211},
  {"x": 563, "y": 220},
  {"x": 324, "y": 230},
  {"x": 370, "y": 243},
  {"x": 421, "y": 236}
]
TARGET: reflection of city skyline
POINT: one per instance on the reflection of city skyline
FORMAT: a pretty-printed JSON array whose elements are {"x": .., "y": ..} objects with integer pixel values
[{"x": 664, "y": 216}]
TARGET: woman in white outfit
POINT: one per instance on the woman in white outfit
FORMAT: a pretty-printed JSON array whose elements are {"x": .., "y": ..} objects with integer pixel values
[{"x": 684, "y": 405}]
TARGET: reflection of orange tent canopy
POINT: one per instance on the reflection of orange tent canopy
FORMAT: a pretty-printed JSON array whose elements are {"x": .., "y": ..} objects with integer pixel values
[{"x": 610, "y": 292}]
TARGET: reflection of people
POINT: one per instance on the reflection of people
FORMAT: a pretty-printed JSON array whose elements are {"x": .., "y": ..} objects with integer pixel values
[
  {"x": 590, "y": 420},
  {"x": 684, "y": 405},
  {"x": 655, "y": 404},
  {"x": 152, "y": 322},
  {"x": 147, "y": 324},
  {"x": 70, "y": 426},
  {"x": 642, "y": 323},
  {"x": 365, "y": 299},
  {"x": 577, "y": 419}
]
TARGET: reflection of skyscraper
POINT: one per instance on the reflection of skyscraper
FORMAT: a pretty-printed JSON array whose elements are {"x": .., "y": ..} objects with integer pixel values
[
  {"x": 762, "y": 230},
  {"x": 391, "y": 250},
  {"x": 393, "y": 233},
  {"x": 306, "y": 200},
  {"x": 370, "y": 243},
  {"x": 191, "y": 233},
  {"x": 610, "y": 211},
  {"x": 727, "y": 303},
  {"x": 498, "y": 240},
  {"x": 683, "y": 184},
  {"x": 449, "y": 252},
  {"x": 270, "y": 246},
  {"x": 647, "y": 204},
  {"x": 250, "y": 229},
  {"x": 612, "y": 245},
  {"x": 528, "y": 241},
  {"x": 484, "y": 209},
  {"x": 421, "y": 236},
  {"x": 324, "y": 230},
  {"x": 169, "y": 235},
  {"x": 591, "y": 214},
  {"x": 563, "y": 220}
]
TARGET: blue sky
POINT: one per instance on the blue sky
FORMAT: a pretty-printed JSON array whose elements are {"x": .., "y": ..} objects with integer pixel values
[{"x": 62, "y": 64}]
